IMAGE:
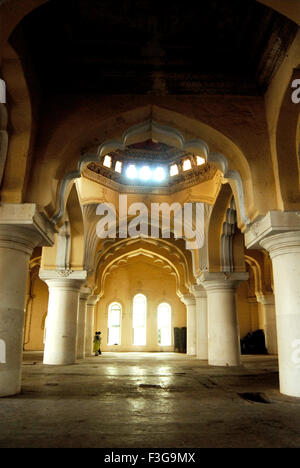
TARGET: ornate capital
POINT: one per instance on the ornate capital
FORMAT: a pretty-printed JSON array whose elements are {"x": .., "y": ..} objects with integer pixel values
[
  {"x": 188, "y": 300},
  {"x": 274, "y": 222},
  {"x": 22, "y": 227},
  {"x": 223, "y": 281},
  {"x": 198, "y": 291},
  {"x": 284, "y": 243},
  {"x": 73, "y": 281}
]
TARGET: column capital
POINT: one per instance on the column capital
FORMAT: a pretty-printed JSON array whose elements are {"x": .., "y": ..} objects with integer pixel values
[
  {"x": 198, "y": 291},
  {"x": 273, "y": 223},
  {"x": 92, "y": 300},
  {"x": 71, "y": 280},
  {"x": 188, "y": 299},
  {"x": 22, "y": 227},
  {"x": 213, "y": 281},
  {"x": 280, "y": 244}
]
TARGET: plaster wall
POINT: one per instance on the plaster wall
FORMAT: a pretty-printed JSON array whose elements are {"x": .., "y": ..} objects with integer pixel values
[{"x": 138, "y": 276}]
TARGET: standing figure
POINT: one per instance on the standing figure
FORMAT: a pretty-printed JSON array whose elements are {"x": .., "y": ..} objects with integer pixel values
[{"x": 97, "y": 343}]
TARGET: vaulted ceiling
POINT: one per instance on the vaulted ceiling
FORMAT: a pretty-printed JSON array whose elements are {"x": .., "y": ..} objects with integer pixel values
[{"x": 154, "y": 47}]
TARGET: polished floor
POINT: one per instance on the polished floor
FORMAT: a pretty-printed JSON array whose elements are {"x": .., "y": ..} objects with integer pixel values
[{"x": 150, "y": 400}]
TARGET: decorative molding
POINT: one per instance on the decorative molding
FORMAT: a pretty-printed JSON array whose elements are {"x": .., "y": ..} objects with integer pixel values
[
  {"x": 98, "y": 173},
  {"x": 64, "y": 273},
  {"x": 155, "y": 131},
  {"x": 274, "y": 222}
]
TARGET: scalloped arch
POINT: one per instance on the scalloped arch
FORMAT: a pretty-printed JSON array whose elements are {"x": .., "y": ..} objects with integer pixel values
[{"x": 167, "y": 135}]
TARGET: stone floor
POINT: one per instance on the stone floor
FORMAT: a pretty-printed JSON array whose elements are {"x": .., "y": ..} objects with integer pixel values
[{"x": 150, "y": 400}]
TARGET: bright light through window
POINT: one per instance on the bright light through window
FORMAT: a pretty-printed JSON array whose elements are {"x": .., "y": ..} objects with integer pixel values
[
  {"x": 118, "y": 167},
  {"x": 139, "y": 320},
  {"x": 131, "y": 171},
  {"x": 187, "y": 165},
  {"x": 145, "y": 173},
  {"x": 173, "y": 170},
  {"x": 107, "y": 161},
  {"x": 114, "y": 324},
  {"x": 164, "y": 324},
  {"x": 159, "y": 174},
  {"x": 200, "y": 160}
]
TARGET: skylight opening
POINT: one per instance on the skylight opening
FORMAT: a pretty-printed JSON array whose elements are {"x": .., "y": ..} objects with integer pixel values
[
  {"x": 145, "y": 173},
  {"x": 118, "y": 167},
  {"x": 159, "y": 174},
  {"x": 107, "y": 161},
  {"x": 173, "y": 170},
  {"x": 131, "y": 171},
  {"x": 200, "y": 160},
  {"x": 187, "y": 165}
]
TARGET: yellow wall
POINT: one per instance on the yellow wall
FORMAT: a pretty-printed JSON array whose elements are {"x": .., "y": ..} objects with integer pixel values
[
  {"x": 248, "y": 311},
  {"x": 139, "y": 276},
  {"x": 35, "y": 317}
]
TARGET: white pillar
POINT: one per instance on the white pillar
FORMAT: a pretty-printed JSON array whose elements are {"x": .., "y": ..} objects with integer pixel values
[
  {"x": 89, "y": 326},
  {"x": 269, "y": 319},
  {"x": 284, "y": 251},
  {"x": 189, "y": 301},
  {"x": 81, "y": 321},
  {"x": 201, "y": 322},
  {"x": 21, "y": 229},
  {"x": 223, "y": 327},
  {"x": 61, "y": 336}
]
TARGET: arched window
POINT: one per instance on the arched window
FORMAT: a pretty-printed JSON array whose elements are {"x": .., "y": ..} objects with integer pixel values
[
  {"x": 139, "y": 319},
  {"x": 114, "y": 323},
  {"x": 164, "y": 324}
]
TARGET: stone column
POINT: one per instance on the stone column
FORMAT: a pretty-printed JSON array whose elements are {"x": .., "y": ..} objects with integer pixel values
[
  {"x": 201, "y": 322},
  {"x": 278, "y": 232},
  {"x": 89, "y": 326},
  {"x": 61, "y": 336},
  {"x": 21, "y": 229},
  {"x": 269, "y": 319},
  {"x": 81, "y": 321},
  {"x": 223, "y": 328},
  {"x": 189, "y": 301},
  {"x": 284, "y": 251}
]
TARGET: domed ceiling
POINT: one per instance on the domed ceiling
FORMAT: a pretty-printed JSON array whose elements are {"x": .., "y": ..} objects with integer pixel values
[{"x": 150, "y": 166}]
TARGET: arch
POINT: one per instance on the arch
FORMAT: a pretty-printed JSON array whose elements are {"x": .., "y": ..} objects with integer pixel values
[
  {"x": 225, "y": 240},
  {"x": 76, "y": 230},
  {"x": 18, "y": 147},
  {"x": 68, "y": 250},
  {"x": 12, "y": 12},
  {"x": 257, "y": 273},
  {"x": 165, "y": 254},
  {"x": 215, "y": 228},
  {"x": 232, "y": 165},
  {"x": 228, "y": 232},
  {"x": 238, "y": 162},
  {"x": 287, "y": 146}
]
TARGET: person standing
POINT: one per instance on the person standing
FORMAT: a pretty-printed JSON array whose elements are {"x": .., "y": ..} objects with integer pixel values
[{"x": 97, "y": 344}]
